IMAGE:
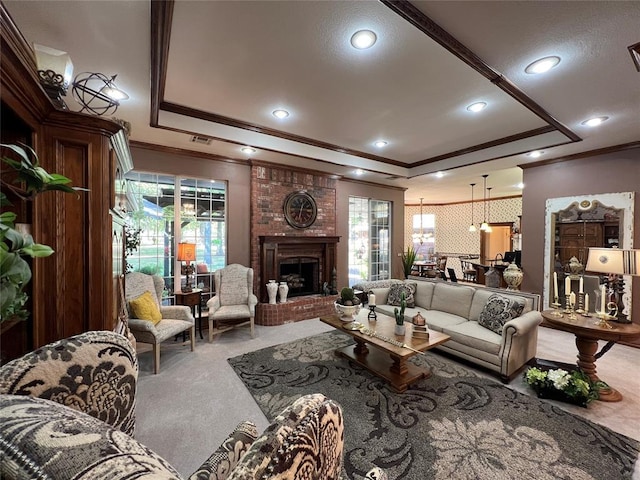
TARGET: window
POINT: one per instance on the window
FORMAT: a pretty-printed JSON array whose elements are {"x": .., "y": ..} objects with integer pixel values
[
  {"x": 423, "y": 235},
  {"x": 202, "y": 220},
  {"x": 369, "y": 239}
]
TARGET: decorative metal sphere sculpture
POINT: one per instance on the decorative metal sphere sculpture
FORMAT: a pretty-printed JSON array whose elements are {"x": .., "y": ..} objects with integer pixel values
[{"x": 97, "y": 93}]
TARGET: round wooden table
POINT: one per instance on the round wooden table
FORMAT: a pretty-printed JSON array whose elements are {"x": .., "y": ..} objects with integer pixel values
[{"x": 587, "y": 334}]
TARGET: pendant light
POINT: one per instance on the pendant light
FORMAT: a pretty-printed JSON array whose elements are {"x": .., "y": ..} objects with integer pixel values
[
  {"x": 484, "y": 224},
  {"x": 472, "y": 228},
  {"x": 489, "y": 229}
]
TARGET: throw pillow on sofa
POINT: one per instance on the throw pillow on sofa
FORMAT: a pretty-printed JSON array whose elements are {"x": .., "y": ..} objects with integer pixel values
[
  {"x": 395, "y": 294},
  {"x": 499, "y": 310},
  {"x": 144, "y": 307}
]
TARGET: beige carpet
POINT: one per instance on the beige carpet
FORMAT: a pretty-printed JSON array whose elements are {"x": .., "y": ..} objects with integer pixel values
[{"x": 188, "y": 409}]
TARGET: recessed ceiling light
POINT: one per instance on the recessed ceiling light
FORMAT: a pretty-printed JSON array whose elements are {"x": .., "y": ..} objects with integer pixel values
[
  {"x": 439, "y": 174},
  {"x": 542, "y": 65},
  {"x": 380, "y": 143},
  {"x": 520, "y": 185},
  {"x": 280, "y": 113},
  {"x": 535, "y": 153},
  {"x": 476, "y": 107},
  {"x": 363, "y": 39},
  {"x": 359, "y": 171},
  {"x": 595, "y": 121},
  {"x": 248, "y": 150}
]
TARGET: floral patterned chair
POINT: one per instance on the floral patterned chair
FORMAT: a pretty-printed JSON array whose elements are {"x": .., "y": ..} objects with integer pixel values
[
  {"x": 95, "y": 373},
  {"x": 234, "y": 298},
  {"x": 175, "y": 318},
  {"x": 43, "y": 439}
]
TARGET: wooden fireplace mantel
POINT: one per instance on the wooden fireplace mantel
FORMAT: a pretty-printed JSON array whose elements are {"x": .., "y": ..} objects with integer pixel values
[{"x": 274, "y": 248}]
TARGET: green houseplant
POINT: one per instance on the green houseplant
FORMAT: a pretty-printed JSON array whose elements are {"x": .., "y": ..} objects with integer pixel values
[
  {"x": 15, "y": 246},
  {"x": 347, "y": 304},
  {"x": 399, "y": 314},
  {"x": 408, "y": 259}
]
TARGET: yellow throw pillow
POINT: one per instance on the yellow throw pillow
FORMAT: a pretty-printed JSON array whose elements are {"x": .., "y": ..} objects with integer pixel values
[{"x": 144, "y": 307}]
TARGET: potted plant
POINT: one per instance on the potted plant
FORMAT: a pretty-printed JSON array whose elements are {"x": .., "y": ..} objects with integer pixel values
[
  {"x": 399, "y": 314},
  {"x": 15, "y": 245},
  {"x": 408, "y": 259},
  {"x": 557, "y": 384},
  {"x": 347, "y": 305}
]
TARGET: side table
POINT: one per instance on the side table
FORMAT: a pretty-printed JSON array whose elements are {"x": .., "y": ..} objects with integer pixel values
[
  {"x": 191, "y": 299},
  {"x": 587, "y": 335}
]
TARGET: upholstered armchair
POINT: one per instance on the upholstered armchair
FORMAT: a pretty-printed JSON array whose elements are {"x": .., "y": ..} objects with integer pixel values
[
  {"x": 174, "y": 319},
  {"x": 43, "y": 439},
  {"x": 234, "y": 298},
  {"x": 95, "y": 373}
]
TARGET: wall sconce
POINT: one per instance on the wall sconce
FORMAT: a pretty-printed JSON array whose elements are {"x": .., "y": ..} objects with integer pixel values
[
  {"x": 187, "y": 253},
  {"x": 97, "y": 93},
  {"x": 55, "y": 70},
  {"x": 614, "y": 262}
]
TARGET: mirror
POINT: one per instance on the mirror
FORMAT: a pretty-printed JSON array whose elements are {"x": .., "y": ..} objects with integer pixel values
[{"x": 572, "y": 224}]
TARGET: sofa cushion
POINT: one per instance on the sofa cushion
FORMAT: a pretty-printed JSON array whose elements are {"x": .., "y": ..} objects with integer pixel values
[
  {"x": 475, "y": 336},
  {"x": 437, "y": 320},
  {"x": 145, "y": 307},
  {"x": 43, "y": 439},
  {"x": 452, "y": 299},
  {"x": 423, "y": 295},
  {"x": 481, "y": 296},
  {"x": 498, "y": 311},
  {"x": 396, "y": 291}
]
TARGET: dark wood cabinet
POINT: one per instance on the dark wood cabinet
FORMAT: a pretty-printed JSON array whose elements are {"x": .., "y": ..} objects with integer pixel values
[
  {"x": 574, "y": 239},
  {"x": 75, "y": 289}
]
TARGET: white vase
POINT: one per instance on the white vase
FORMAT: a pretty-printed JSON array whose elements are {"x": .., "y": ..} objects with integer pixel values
[
  {"x": 283, "y": 290},
  {"x": 512, "y": 276},
  {"x": 272, "y": 291},
  {"x": 400, "y": 329}
]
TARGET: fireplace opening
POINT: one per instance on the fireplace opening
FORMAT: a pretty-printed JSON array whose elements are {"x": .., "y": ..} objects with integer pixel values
[{"x": 301, "y": 274}]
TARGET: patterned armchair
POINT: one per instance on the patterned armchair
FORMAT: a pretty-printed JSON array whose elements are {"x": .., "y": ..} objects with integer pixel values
[
  {"x": 234, "y": 298},
  {"x": 175, "y": 319},
  {"x": 95, "y": 373},
  {"x": 304, "y": 442}
]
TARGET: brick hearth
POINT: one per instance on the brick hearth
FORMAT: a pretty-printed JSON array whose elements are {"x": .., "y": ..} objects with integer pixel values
[{"x": 294, "y": 310}]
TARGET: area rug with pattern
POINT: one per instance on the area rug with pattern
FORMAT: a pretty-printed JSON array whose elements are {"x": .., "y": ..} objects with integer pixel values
[{"x": 453, "y": 425}]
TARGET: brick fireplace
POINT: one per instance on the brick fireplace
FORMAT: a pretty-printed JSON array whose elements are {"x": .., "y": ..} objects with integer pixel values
[{"x": 304, "y": 258}]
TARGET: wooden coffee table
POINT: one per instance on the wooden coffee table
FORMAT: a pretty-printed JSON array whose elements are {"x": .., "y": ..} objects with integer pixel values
[{"x": 386, "y": 360}]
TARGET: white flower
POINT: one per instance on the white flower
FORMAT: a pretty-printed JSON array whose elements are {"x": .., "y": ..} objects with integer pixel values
[{"x": 560, "y": 378}]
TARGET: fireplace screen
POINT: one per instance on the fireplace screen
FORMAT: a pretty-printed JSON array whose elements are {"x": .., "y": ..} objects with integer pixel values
[{"x": 301, "y": 274}]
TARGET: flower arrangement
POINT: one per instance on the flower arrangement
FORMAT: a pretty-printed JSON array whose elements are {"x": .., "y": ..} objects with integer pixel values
[{"x": 573, "y": 387}]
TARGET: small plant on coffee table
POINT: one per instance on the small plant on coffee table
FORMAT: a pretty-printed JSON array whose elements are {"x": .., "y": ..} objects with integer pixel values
[
  {"x": 399, "y": 313},
  {"x": 348, "y": 297}
]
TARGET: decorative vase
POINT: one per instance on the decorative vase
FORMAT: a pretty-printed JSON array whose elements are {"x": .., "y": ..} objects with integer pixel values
[
  {"x": 283, "y": 290},
  {"x": 347, "y": 312},
  {"x": 512, "y": 276},
  {"x": 272, "y": 291},
  {"x": 400, "y": 329}
]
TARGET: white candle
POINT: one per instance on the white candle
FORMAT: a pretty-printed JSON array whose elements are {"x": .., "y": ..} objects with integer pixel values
[
  {"x": 603, "y": 300},
  {"x": 572, "y": 299},
  {"x": 372, "y": 299},
  {"x": 555, "y": 285},
  {"x": 567, "y": 285},
  {"x": 581, "y": 285},
  {"x": 586, "y": 302}
]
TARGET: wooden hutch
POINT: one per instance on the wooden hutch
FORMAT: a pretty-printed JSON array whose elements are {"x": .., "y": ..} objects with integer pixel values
[{"x": 76, "y": 288}]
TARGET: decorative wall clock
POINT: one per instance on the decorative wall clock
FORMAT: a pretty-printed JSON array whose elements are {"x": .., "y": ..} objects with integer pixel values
[{"x": 300, "y": 210}]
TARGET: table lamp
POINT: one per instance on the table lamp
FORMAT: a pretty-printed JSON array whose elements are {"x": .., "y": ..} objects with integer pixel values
[
  {"x": 187, "y": 253},
  {"x": 614, "y": 262}
]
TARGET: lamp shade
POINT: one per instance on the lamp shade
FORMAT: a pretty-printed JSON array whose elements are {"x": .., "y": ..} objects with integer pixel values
[
  {"x": 613, "y": 261},
  {"x": 55, "y": 61},
  {"x": 186, "y": 252}
]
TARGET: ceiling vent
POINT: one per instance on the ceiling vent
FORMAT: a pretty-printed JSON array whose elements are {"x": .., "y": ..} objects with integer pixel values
[{"x": 201, "y": 140}]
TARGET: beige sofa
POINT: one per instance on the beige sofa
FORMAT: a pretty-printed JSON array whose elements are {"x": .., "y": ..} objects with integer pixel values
[{"x": 454, "y": 309}]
